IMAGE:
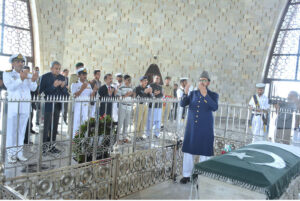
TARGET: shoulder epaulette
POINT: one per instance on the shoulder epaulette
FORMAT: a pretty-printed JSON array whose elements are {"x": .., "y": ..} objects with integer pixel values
[{"x": 8, "y": 71}]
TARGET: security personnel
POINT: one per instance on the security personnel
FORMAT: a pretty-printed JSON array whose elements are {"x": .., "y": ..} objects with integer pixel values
[
  {"x": 199, "y": 133},
  {"x": 82, "y": 90},
  {"x": 259, "y": 106},
  {"x": 18, "y": 86}
]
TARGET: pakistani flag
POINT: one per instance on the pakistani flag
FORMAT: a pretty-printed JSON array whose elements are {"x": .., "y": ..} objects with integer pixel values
[{"x": 264, "y": 167}]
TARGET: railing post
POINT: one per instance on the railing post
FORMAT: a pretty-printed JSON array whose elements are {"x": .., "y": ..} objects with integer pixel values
[
  {"x": 136, "y": 116},
  {"x": 4, "y": 129},
  {"x": 174, "y": 162},
  {"x": 115, "y": 170},
  {"x": 41, "y": 131},
  {"x": 71, "y": 101},
  {"x": 96, "y": 136},
  {"x": 227, "y": 120}
]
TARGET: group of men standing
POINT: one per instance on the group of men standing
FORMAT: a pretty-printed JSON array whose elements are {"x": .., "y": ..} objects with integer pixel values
[
  {"x": 20, "y": 84},
  {"x": 202, "y": 102}
]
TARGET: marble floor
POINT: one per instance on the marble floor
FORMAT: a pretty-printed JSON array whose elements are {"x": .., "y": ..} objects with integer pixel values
[{"x": 168, "y": 190}]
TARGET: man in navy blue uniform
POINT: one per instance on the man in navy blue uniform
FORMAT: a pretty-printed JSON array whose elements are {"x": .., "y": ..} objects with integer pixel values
[
  {"x": 52, "y": 85},
  {"x": 199, "y": 133}
]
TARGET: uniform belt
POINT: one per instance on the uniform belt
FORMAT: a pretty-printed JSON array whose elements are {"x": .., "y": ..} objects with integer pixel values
[{"x": 257, "y": 114}]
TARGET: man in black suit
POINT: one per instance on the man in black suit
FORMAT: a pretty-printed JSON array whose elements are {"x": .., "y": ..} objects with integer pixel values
[
  {"x": 107, "y": 91},
  {"x": 52, "y": 84}
]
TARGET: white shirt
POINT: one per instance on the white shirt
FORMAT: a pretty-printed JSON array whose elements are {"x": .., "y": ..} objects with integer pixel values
[
  {"x": 180, "y": 92},
  {"x": 123, "y": 90},
  {"x": 86, "y": 93},
  {"x": 262, "y": 100},
  {"x": 18, "y": 90}
]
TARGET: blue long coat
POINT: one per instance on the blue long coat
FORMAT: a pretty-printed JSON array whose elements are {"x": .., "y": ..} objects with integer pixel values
[{"x": 199, "y": 132}]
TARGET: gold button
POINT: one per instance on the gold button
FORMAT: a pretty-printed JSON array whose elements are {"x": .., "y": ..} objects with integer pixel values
[
  {"x": 196, "y": 121},
  {"x": 197, "y": 110},
  {"x": 198, "y": 101},
  {"x": 197, "y": 116}
]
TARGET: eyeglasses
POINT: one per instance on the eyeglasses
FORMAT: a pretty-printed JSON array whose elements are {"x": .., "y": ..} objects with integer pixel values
[{"x": 203, "y": 81}]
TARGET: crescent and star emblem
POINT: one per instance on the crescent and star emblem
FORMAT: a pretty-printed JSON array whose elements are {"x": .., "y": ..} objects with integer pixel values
[{"x": 277, "y": 163}]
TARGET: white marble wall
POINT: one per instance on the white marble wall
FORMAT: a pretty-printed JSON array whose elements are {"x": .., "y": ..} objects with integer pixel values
[{"x": 229, "y": 38}]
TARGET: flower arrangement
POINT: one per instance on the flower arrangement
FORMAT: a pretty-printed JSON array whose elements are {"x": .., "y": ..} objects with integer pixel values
[
  {"x": 83, "y": 142},
  {"x": 227, "y": 148}
]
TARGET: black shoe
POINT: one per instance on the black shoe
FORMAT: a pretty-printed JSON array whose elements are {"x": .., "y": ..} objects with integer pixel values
[
  {"x": 184, "y": 180},
  {"x": 33, "y": 132},
  {"x": 54, "y": 150},
  {"x": 37, "y": 123},
  {"x": 140, "y": 139}
]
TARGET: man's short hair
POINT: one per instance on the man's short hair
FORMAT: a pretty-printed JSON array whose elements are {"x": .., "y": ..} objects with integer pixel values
[
  {"x": 79, "y": 65},
  {"x": 107, "y": 75},
  {"x": 96, "y": 71},
  {"x": 26, "y": 67},
  {"x": 181, "y": 81},
  {"x": 168, "y": 78},
  {"x": 176, "y": 84},
  {"x": 65, "y": 70},
  {"x": 126, "y": 77},
  {"x": 53, "y": 63}
]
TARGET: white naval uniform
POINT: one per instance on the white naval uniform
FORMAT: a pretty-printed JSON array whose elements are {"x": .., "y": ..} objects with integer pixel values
[
  {"x": 81, "y": 108},
  {"x": 17, "y": 90},
  {"x": 115, "y": 85},
  {"x": 180, "y": 110},
  {"x": 125, "y": 112},
  {"x": 258, "y": 130}
]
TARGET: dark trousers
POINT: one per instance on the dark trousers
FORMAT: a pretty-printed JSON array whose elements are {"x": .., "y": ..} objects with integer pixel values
[
  {"x": 27, "y": 132},
  {"x": 65, "y": 114},
  {"x": 48, "y": 124}
]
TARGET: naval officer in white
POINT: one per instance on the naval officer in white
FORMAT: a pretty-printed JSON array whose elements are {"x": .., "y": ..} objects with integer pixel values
[
  {"x": 259, "y": 104},
  {"x": 18, "y": 84},
  {"x": 82, "y": 91}
]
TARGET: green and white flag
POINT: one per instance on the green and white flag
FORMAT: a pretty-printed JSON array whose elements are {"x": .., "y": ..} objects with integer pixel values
[{"x": 264, "y": 167}]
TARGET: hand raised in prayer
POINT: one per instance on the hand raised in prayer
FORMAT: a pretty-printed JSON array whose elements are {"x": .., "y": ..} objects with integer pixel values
[
  {"x": 35, "y": 76},
  {"x": 187, "y": 88},
  {"x": 203, "y": 89},
  {"x": 23, "y": 75},
  {"x": 56, "y": 83}
]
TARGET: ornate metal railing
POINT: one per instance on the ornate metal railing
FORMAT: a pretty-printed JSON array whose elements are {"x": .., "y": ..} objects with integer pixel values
[{"x": 113, "y": 170}]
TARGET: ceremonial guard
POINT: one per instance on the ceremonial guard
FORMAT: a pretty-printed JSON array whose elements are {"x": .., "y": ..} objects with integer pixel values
[
  {"x": 82, "y": 91},
  {"x": 19, "y": 85},
  {"x": 199, "y": 133},
  {"x": 259, "y": 104}
]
